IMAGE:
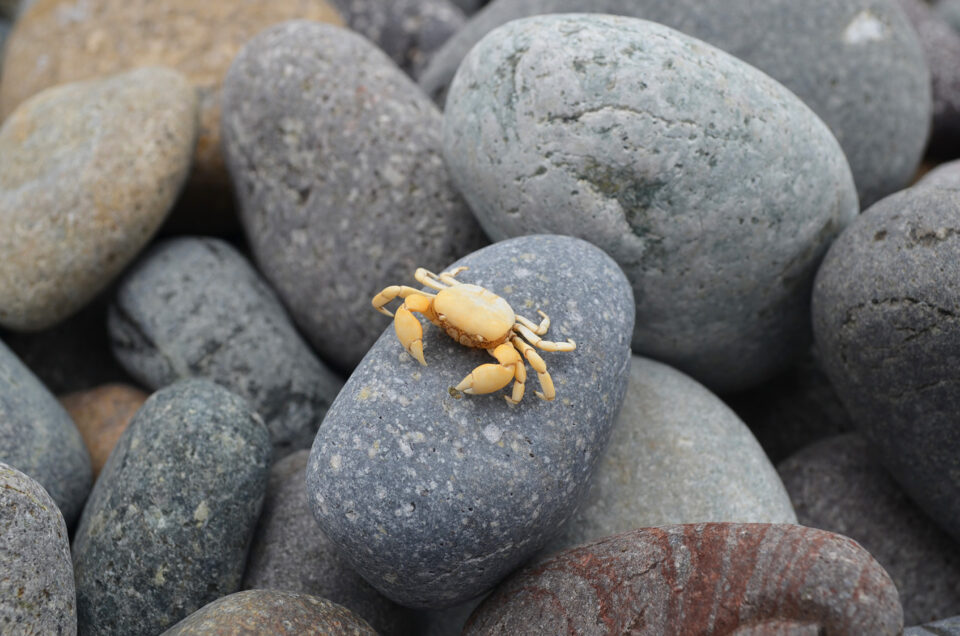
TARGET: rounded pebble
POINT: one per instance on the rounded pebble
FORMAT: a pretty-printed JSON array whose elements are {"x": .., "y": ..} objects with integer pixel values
[
  {"x": 857, "y": 63},
  {"x": 339, "y": 200},
  {"x": 700, "y": 579},
  {"x": 38, "y": 437},
  {"x": 434, "y": 495},
  {"x": 886, "y": 314},
  {"x": 125, "y": 143},
  {"x": 677, "y": 455},
  {"x": 278, "y": 613},
  {"x": 289, "y": 552},
  {"x": 37, "y": 595},
  {"x": 652, "y": 172},
  {"x": 169, "y": 522},
  {"x": 194, "y": 307}
]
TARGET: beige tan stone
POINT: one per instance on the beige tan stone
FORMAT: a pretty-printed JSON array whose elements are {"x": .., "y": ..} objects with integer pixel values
[
  {"x": 57, "y": 41},
  {"x": 88, "y": 172},
  {"x": 102, "y": 415}
]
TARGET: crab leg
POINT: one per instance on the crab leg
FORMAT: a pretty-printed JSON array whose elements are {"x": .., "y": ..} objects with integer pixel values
[
  {"x": 540, "y": 329},
  {"x": 546, "y": 382},
  {"x": 408, "y": 328},
  {"x": 392, "y": 292},
  {"x": 428, "y": 279},
  {"x": 488, "y": 378},
  {"x": 450, "y": 277},
  {"x": 540, "y": 343}
]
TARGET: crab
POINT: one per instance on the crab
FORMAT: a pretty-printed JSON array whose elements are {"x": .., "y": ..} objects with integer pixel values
[{"x": 478, "y": 318}]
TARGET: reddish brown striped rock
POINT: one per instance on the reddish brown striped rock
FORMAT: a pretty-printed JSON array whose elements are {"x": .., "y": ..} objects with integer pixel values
[{"x": 716, "y": 578}]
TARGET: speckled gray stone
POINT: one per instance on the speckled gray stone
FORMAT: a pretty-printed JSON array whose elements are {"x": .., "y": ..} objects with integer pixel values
[
  {"x": 836, "y": 485},
  {"x": 38, "y": 437},
  {"x": 434, "y": 496},
  {"x": 677, "y": 455},
  {"x": 588, "y": 125},
  {"x": 170, "y": 519},
  {"x": 36, "y": 589},
  {"x": 124, "y": 143},
  {"x": 194, "y": 307},
  {"x": 289, "y": 552},
  {"x": 340, "y": 178},
  {"x": 941, "y": 45},
  {"x": 409, "y": 31},
  {"x": 856, "y": 63},
  {"x": 273, "y": 612},
  {"x": 886, "y": 312},
  {"x": 946, "y": 627},
  {"x": 792, "y": 411},
  {"x": 949, "y": 10}
]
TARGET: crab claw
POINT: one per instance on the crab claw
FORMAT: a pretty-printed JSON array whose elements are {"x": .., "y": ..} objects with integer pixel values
[
  {"x": 486, "y": 378},
  {"x": 409, "y": 333}
]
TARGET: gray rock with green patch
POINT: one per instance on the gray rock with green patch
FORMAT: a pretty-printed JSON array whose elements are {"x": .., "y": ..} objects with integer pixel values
[
  {"x": 170, "y": 519},
  {"x": 435, "y": 496},
  {"x": 858, "y": 64},
  {"x": 37, "y": 437},
  {"x": 36, "y": 589},
  {"x": 718, "y": 202}
]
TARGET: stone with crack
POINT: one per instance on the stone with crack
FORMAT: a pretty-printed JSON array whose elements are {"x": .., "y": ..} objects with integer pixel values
[
  {"x": 886, "y": 315},
  {"x": 718, "y": 202}
]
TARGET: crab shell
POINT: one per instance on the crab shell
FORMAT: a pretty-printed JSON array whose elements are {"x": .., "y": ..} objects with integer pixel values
[{"x": 474, "y": 316}]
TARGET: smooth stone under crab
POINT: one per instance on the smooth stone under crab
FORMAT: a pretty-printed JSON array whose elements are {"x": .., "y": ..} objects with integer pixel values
[{"x": 434, "y": 495}]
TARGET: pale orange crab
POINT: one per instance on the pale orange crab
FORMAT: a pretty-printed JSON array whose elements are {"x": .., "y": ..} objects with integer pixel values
[{"x": 474, "y": 317}]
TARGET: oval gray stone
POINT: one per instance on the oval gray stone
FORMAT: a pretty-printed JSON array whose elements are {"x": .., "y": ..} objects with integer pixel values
[
  {"x": 433, "y": 496},
  {"x": 409, "y": 31},
  {"x": 194, "y": 307},
  {"x": 588, "y": 125},
  {"x": 88, "y": 172},
  {"x": 856, "y": 63},
  {"x": 37, "y": 437},
  {"x": 170, "y": 519},
  {"x": 886, "y": 314},
  {"x": 345, "y": 197},
  {"x": 289, "y": 552},
  {"x": 946, "y": 175},
  {"x": 677, "y": 454},
  {"x": 37, "y": 594},
  {"x": 836, "y": 485},
  {"x": 274, "y": 612}
]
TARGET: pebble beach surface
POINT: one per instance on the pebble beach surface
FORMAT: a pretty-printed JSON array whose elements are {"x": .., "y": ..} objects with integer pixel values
[{"x": 668, "y": 330}]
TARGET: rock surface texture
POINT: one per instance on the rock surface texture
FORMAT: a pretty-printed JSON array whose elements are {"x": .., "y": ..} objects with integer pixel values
[
  {"x": 169, "y": 521},
  {"x": 194, "y": 307},
  {"x": 857, "y": 63},
  {"x": 433, "y": 495},
  {"x": 290, "y": 553},
  {"x": 278, "y": 613},
  {"x": 677, "y": 455},
  {"x": 651, "y": 172},
  {"x": 57, "y": 41},
  {"x": 837, "y": 486},
  {"x": 885, "y": 308},
  {"x": 341, "y": 199},
  {"x": 88, "y": 172},
  {"x": 700, "y": 579},
  {"x": 946, "y": 627},
  {"x": 38, "y": 438},
  {"x": 37, "y": 594}
]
